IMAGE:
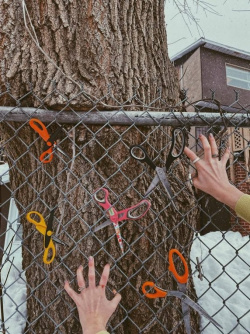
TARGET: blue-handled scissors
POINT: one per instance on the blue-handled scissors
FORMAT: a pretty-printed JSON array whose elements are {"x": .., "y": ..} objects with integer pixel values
[{"x": 139, "y": 153}]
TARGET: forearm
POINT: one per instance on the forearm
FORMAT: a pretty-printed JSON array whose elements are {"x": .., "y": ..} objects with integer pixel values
[{"x": 228, "y": 195}]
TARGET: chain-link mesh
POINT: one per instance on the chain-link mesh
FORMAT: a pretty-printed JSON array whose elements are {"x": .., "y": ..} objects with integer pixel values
[{"x": 219, "y": 257}]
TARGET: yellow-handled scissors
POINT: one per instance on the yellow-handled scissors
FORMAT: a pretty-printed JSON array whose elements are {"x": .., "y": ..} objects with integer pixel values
[{"x": 47, "y": 231}]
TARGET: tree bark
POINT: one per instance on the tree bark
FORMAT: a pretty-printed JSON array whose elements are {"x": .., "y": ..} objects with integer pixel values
[{"x": 100, "y": 43}]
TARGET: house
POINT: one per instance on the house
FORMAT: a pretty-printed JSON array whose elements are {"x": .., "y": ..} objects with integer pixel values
[{"x": 208, "y": 69}]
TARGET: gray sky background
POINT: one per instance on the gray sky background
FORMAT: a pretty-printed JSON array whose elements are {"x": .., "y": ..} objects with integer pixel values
[{"x": 223, "y": 21}]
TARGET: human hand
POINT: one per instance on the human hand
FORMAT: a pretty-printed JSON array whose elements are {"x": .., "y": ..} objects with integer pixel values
[
  {"x": 211, "y": 176},
  {"x": 93, "y": 307}
]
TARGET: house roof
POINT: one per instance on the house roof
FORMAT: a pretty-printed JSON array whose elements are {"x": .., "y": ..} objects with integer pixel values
[{"x": 212, "y": 46}]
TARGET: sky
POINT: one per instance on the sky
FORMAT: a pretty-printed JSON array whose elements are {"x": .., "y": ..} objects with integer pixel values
[{"x": 223, "y": 21}]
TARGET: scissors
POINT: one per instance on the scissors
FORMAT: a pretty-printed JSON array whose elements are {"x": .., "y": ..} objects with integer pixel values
[
  {"x": 139, "y": 153},
  {"x": 47, "y": 231},
  {"x": 186, "y": 302},
  {"x": 116, "y": 216},
  {"x": 50, "y": 145}
]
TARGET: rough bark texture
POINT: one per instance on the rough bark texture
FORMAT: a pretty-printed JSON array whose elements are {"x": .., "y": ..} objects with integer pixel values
[
  {"x": 100, "y": 43},
  {"x": 122, "y": 43}
]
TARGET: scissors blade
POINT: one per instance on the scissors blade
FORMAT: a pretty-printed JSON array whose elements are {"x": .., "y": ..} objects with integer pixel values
[
  {"x": 199, "y": 309},
  {"x": 59, "y": 241},
  {"x": 186, "y": 315},
  {"x": 61, "y": 151},
  {"x": 184, "y": 306},
  {"x": 106, "y": 223},
  {"x": 161, "y": 172},
  {"x": 152, "y": 185},
  {"x": 163, "y": 178}
]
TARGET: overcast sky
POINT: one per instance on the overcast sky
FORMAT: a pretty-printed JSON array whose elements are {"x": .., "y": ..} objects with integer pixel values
[{"x": 223, "y": 21}]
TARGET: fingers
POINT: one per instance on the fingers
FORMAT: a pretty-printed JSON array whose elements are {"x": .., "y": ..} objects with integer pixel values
[
  {"x": 80, "y": 279},
  {"x": 70, "y": 291},
  {"x": 190, "y": 154},
  {"x": 105, "y": 275},
  {"x": 206, "y": 147},
  {"x": 214, "y": 148},
  {"x": 225, "y": 157},
  {"x": 91, "y": 272},
  {"x": 116, "y": 300}
]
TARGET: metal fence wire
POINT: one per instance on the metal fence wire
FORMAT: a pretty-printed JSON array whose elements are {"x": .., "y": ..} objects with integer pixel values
[{"x": 219, "y": 240}]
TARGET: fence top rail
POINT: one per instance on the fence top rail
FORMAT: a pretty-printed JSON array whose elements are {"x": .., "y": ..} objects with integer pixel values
[{"x": 121, "y": 117}]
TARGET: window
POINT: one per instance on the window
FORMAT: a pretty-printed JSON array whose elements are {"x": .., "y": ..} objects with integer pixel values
[{"x": 238, "y": 77}]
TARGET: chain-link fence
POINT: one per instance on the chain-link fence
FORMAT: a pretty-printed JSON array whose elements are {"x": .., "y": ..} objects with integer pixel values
[{"x": 32, "y": 180}]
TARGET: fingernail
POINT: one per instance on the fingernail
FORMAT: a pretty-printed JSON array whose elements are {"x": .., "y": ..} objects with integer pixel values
[
  {"x": 114, "y": 292},
  {"x": 211, "y": 135},
  {"x": 91, "y": 258},
  {"x": 200, "y": 135}
]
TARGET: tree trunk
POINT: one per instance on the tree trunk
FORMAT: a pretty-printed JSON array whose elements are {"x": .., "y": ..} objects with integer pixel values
[{"x": 100, "y": 43}]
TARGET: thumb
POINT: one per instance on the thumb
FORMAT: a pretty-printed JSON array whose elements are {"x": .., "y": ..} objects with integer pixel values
[{"x": 116, "y": 300}]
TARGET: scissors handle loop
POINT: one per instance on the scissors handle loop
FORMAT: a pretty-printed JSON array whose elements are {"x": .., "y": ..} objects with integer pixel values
[
  {"x": 181, "y": 279},
  {"x": 33, "y": 221},
  {"x": 40, "y": 128},
  {"x": 46, "y": 156},
  {"x": 174, "y": 153},
  {"x": 131, "y": 213},
  {"x": 40, "y": 225},
  {"x": 159, "y": 293},
  {"x": 139, "y": 153},
  {"x": 47, "y": 258},
  {"x": 103, "y": 201}
]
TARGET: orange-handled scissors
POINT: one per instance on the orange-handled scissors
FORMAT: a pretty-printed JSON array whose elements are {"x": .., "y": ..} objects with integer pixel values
[
  {"x": 50, "y": 141},
  {"x": 186, "y": 302},
  {"x": 47, "y": 231}
]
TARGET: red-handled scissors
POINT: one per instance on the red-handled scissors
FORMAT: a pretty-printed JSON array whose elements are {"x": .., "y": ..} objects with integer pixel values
[
  {"x": 186, "y": 302},
  {"x": 50, "y": 141},
  {"x": 134, "y": 212}
]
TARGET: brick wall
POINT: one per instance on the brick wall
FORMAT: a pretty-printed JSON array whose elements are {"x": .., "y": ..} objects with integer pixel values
[{"x": 243, "y": 184}]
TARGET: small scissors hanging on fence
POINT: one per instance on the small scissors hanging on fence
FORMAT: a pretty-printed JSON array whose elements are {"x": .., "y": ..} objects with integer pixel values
[
  {"x": 186, "y": 302},
  {"x": 134, "y": 212},
  {"x": 51, "y": 144},
  {"x": 47, "y": 231},
  {"x": 139, "y": 153}
]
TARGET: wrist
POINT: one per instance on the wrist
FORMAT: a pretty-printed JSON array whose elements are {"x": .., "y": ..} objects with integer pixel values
[
  {"x": 93, "y": 329},
  {"x": 230, "y": 195}
]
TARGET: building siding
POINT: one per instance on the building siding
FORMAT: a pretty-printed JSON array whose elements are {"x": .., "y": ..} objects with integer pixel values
[
  {"x": 190, "y": 76},
  {"x": 213, "y": 76}
]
